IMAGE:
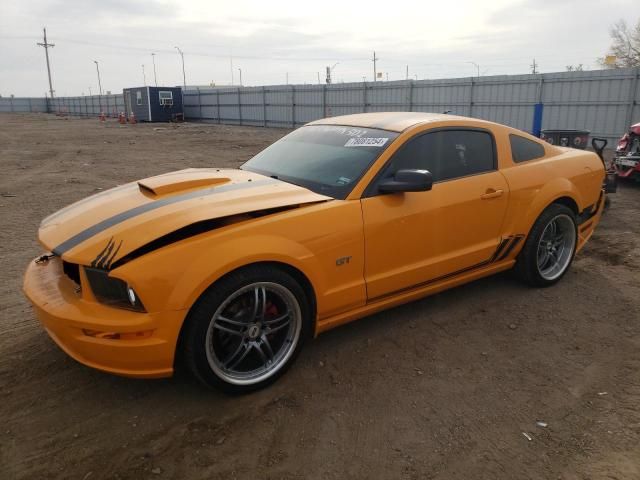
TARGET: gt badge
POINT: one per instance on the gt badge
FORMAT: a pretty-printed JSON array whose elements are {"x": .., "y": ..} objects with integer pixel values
[{"x": 343, "y": 261}]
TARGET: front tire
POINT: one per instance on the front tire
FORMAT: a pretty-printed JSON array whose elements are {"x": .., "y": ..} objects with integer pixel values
[
  {"x": 550, "y": 247},
  {"x": 246, "y": 330}
]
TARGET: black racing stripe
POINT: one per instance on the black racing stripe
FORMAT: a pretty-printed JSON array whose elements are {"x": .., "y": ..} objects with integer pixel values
[
  {"x": 125, "y": 186},
  {"x": 147, "y": 207}
]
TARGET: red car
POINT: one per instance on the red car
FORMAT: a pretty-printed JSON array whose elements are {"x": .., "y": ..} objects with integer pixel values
[{"x": 627, "y": 159}]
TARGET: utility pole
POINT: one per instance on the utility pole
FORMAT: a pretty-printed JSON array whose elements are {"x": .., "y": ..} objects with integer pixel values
[
  {"x": 375, "y": 59},
  {"x": 46, "y": 53},
  {"x": 231, "y": 67},
  {"x": 184, "y": 77},
  {"x": 318, "y": 77},
  {"x": 90, "y": 90},
  {"x": 144, "y": 76},
  {"x": 534, "y": 67},
  {"x": 98, "y": 70},
  {"x": 155, "y": 77},
  {"x": 407, "y": 73},
  {"x": 287, "y": 78},
  {"x": 387, "y": 73},
  {"x": 240, "y": 70}
]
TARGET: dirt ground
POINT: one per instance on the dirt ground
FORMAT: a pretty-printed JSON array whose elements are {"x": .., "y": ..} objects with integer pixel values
[{"x": 443, "y": 388}]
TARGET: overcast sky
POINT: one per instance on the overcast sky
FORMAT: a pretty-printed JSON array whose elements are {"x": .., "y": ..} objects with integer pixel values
[{"x": 268, "y": 39}]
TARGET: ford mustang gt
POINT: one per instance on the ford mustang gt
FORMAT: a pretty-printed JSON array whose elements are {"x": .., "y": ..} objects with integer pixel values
[{"x": 230, "y": 271}]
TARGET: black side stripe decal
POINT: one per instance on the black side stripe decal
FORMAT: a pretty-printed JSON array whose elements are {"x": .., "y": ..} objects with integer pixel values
[
  {"x": 503, "y": 244},
  {"x": 147, "y": 207},
  {"x": 510, "y": 248}
]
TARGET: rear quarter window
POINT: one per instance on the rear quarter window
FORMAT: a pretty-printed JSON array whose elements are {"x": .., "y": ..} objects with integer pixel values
[{"x": 523, "y": 149}]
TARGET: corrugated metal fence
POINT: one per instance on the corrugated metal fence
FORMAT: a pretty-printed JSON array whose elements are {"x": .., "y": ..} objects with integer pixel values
[
  {"x": 84, "y": 106},
  {"x": 88, "y": 106},
  {"x": 605, "y": 102},
  {"x": 22, "y": 104}
]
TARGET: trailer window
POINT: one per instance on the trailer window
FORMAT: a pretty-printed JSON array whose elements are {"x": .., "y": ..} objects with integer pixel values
[
  {"x": 166, "y": 97},
  {"x": 139, "y": 98}
]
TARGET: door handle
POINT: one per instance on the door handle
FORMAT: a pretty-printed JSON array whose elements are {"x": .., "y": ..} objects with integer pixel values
[{"x": 491, "y": 193}]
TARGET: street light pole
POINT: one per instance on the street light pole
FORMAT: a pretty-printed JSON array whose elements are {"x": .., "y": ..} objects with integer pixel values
[
  {"x": 375, "y": 72},
  {"x": 98, "y": 70},
  {"x": 477, "y": 67},
  {"x": 184, "y": 77},
  {"x": 240, "y": 71},
  {"x": 330, "y": 71},
  {"x": 155, "y": 77}
]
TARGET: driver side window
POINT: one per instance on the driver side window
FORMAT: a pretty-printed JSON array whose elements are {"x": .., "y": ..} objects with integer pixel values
[
  {"x": 419, "y": 153},
  {"x": 447, "y": 154}
]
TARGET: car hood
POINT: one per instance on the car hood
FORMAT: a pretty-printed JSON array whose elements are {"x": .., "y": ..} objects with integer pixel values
[{"x": 105, "y": 227}]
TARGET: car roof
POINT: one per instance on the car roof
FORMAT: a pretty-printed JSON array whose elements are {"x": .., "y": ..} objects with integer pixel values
[{"x": 394, "y": 121}]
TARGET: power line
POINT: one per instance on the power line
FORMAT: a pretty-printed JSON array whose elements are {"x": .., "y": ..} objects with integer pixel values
[{"x": 47, "y": 46}]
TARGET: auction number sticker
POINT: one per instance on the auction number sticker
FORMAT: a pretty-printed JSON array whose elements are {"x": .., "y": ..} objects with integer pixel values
[{"x": 366, "y": 142}]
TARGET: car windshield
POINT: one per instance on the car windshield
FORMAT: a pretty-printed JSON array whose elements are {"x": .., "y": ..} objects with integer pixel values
[{"x": 328, "y": 159}]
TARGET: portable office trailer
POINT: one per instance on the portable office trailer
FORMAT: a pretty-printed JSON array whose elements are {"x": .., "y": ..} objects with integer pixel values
[{"x": 154, "y": 104}]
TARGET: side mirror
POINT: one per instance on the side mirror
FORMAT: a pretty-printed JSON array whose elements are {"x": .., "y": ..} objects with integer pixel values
[{"x": 408, "y": 181}]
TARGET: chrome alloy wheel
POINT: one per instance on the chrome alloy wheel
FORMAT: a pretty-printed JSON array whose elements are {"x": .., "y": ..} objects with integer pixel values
[
  {"x": 253, "y": 333},
  {"x": 556, "y": 246}
]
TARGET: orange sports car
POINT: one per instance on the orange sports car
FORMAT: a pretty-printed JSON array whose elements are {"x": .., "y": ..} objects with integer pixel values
[{"x": 231, "y": 271}]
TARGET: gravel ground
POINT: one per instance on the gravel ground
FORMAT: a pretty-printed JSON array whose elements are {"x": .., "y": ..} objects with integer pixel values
[{"x": 443, "y": 388}]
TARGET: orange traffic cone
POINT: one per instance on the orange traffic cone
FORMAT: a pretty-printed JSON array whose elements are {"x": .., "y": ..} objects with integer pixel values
[
  {"x": 132, "y": 118},
  {"x": 121, "y": 118},
  {"x": 102, "y": 117}
]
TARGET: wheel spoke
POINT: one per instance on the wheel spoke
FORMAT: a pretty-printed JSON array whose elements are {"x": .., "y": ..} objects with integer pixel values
[
  {"x": 263, "y": 356},
  {"x": 232, "y": 322},
  {"x": 267, "y": 346},
  {"x": 542, "y": 258},
  {"x": 271, "y": 330},
  {"x": 276, "y": 320},
  {"x": 239, "y": 333},
  {"x": 259, "y": 303},
  {"x": 247, "y": 349}
]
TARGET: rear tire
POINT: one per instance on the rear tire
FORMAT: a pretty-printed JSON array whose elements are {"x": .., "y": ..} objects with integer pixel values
[
  {"x": 550, "y": 247},
  {"x": 246, "y": 330}
]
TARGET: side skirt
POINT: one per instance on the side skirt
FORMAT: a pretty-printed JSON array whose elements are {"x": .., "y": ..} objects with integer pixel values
[{"x": 415, "y": 293}]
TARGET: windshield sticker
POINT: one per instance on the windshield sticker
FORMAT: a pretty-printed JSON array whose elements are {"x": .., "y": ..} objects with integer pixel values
[
  {"x": 366, "y": 142},
  {"x": 343, "y": 181},
  {"x": 347, "y": 131}
]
